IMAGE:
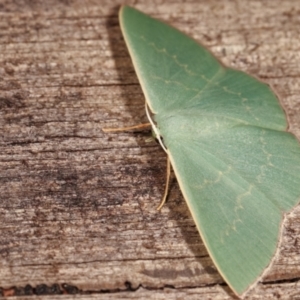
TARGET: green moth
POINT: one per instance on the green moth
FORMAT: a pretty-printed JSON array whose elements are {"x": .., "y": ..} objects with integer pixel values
[{"x": 225, "y": 134}]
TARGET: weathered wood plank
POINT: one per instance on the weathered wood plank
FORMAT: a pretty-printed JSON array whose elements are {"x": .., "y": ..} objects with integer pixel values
[{"x": 79, "y": 206}]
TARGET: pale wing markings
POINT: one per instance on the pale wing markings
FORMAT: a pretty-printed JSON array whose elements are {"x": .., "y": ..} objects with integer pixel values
[
  {"x": 238, "y": 200},
  {"x": 185, "y": 67},
  {"x": 212, "y": 182},
  {"x": 268, "y": 164},
  {"x": 239, "y": 205},
  {"x": 166, "y": 81},
  {"x": 268, "y": 156}
]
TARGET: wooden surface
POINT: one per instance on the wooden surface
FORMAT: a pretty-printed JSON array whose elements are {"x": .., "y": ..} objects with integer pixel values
[{"x": 78, "y": 207}]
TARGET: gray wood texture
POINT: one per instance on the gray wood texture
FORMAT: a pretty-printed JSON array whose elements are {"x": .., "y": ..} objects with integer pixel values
[{"x": 78, "y": 206}]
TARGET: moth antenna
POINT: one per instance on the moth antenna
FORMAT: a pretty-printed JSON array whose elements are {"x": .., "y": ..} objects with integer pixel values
[
  {"x": 163, "y": 201},
  {"x": 139, "y": 126}
]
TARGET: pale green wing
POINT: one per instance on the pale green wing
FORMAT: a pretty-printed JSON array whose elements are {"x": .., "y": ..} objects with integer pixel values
[
  {"x": 238, "y": 182},
  {"x": 225, "y": 133},
  {"x": 175, "y": 72}
]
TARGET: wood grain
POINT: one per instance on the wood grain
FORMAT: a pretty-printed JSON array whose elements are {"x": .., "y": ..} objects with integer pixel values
[{"x": 78, "y": 212}]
